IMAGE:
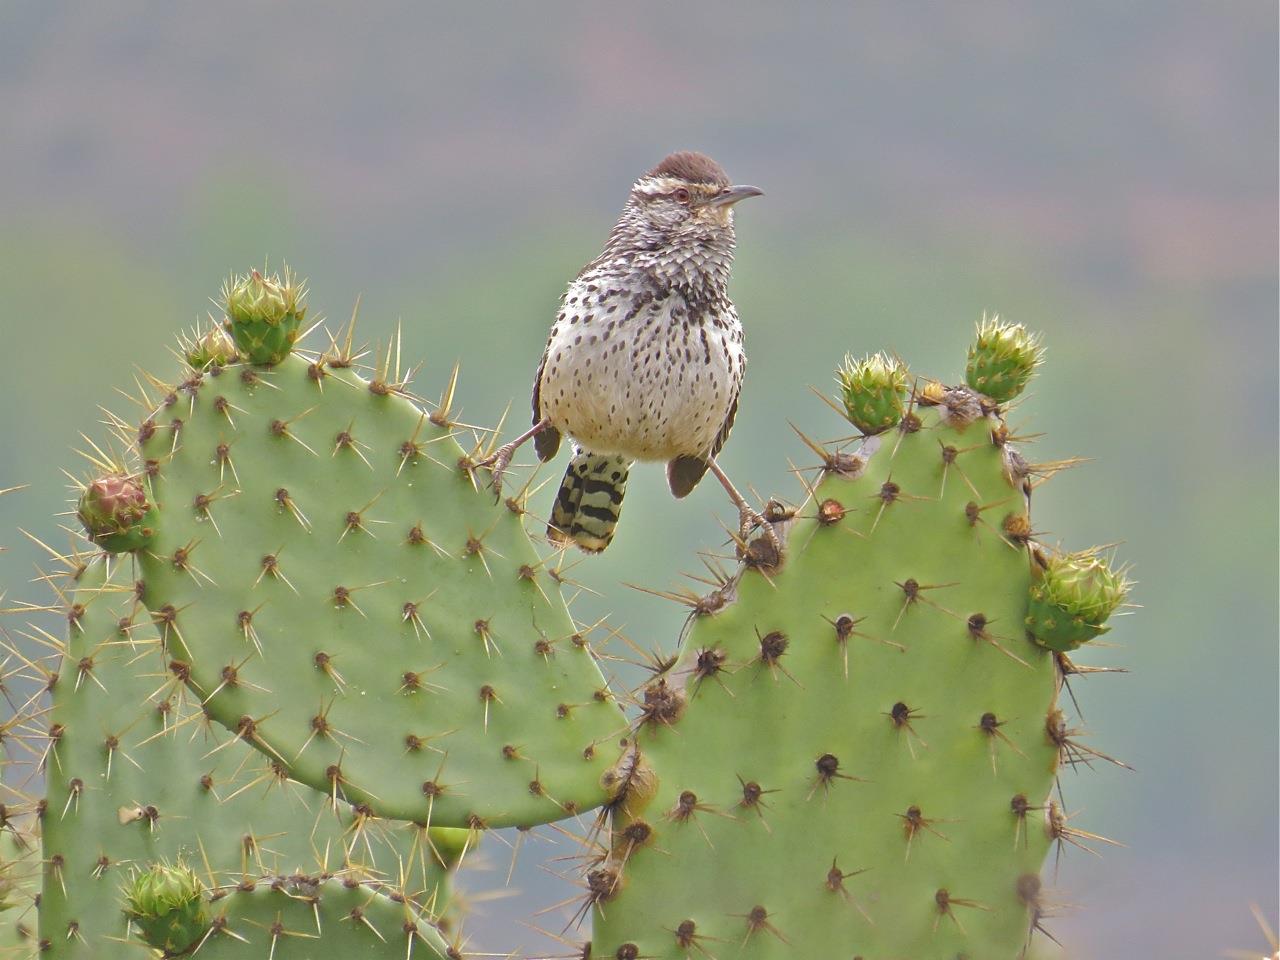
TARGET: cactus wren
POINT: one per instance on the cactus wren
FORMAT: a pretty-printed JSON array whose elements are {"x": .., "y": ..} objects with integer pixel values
[{"x": 645, "y": 358}]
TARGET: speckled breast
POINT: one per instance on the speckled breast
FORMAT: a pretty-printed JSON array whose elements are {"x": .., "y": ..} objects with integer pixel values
[{"x": 641, "y": 375}]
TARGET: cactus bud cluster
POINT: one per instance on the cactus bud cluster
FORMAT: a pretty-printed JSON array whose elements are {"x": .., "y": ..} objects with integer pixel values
[
  {"x": 874, "y": 391},
  {"x": 116, "y": 513},
  {"x": 1072, "y": 599},
  {"x": 264, "y": 314},
  {"x": 166, "y": 905},
  {"x": 207, "y": 350},
  {"x": 1002, "y": 359}
]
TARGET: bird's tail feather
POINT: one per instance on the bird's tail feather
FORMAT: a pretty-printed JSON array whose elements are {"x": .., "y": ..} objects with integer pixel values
[{"x": 590, "y": 498}]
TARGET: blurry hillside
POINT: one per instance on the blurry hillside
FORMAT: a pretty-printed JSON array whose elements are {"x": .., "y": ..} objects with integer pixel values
[
  {"x": 1103, "y": 172},
  {"x": 1099, "y": 134}
]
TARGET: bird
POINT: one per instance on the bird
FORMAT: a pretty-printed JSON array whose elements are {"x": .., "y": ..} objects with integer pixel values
[{"x": 645, "y": 359}]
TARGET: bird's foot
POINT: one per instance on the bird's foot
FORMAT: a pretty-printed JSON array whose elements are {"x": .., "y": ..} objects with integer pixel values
[
  {"x": 749, "y": 520},
  {"x": 497, "y": 462},
  {"x": 500, "y": 459}
]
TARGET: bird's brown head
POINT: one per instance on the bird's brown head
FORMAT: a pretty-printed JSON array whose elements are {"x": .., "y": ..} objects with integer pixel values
[
  {"x": 689, "y": 188},
  {"x": 679, "y": 216}
]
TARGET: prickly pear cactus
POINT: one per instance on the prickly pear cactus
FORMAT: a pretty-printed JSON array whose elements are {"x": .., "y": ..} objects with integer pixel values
[
  {"x": 137, "y": 774},
  {"x": 854, "y": 752},
  {"x": 339, "y": 588},
  {"x": 309, "y": 639},
  {"x": 140, "y": 773}
]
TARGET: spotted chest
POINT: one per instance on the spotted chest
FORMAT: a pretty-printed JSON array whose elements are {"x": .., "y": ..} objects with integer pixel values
[{"x": 647, "y": 374}]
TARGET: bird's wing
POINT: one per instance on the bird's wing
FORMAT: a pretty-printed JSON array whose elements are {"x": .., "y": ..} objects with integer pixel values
[
  {"x": 723, "y": 436},
  {"x": 547, "y": 441}
]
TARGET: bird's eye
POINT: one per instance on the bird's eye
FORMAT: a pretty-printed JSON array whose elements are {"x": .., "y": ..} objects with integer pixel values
[{"x": 681, "y": 194}]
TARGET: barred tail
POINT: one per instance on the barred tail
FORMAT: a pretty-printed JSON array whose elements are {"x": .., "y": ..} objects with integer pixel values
[{"x": 590, "y": 499}]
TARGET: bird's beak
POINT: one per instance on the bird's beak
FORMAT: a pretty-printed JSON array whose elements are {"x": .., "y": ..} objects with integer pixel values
[{"x": 731, "y": 195}]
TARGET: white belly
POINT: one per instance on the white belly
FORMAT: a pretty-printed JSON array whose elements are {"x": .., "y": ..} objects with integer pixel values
[{"x": 649, "y": 386}]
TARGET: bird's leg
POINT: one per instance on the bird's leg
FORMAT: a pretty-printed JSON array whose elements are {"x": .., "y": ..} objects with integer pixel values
[
  {"x": 500, "y": 459},
  {"x": 747, "y": 517}
]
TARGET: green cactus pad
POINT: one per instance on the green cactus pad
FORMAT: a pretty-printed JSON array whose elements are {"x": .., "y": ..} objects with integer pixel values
[
  {"x": 874, "y": 391},
  {"x": 264, "y": 314},
  {"x": 850, "y": 758},
  {"x": 136, "y": 774},
  {"x": 1002, "y": 359},
  {"x": 303, "y": 918},
  {"x": 116, "y": 514},
  {"x": 351, "y": 600},
  {"x": 1071, "y": 599}
]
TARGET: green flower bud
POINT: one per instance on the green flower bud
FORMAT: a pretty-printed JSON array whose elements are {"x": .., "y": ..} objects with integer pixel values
[
  {"x": 116, "y": 514},
  {"x": 874, "y": 390},
  {"x": 1002, "y": 359},
  {"x": 264, "y": 314},
  {"x": 166, "y": 906},
  {"x": 1074, "y": 595},
  {"x": 213, "y": 348}
]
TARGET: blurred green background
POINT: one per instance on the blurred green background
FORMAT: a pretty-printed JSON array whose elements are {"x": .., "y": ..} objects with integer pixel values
[{"x": 1103, "y": 172}]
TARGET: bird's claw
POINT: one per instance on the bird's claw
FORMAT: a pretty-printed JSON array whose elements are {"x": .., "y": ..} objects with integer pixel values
[
  {"x": 497, "y": 462},
  {"x": 749, "y": 520}
]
